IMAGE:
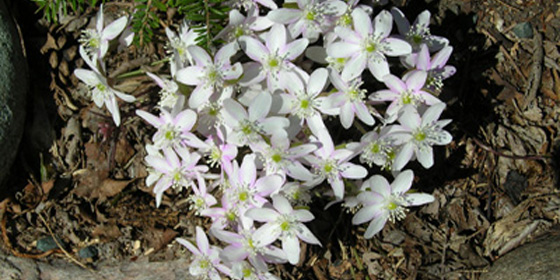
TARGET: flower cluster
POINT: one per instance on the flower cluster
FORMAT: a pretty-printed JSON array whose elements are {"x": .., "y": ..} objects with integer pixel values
[{"x": 249, "y": 142}]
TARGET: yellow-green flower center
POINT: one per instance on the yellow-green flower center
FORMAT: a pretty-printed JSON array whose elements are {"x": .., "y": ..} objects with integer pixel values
[
  {"x": 304, "y": 104},
  {"x": 273, "y": 62},
  {"x": 247, "y": 272},
  {"x": 238, "y": 32},
  {"x": 204, "y": 264},
  {"x": 392, "y": 206},
  {"x": 276, "y": 158},
  {"x": 375, "y": 148},
  {"x": 371, "y": 47},
  {"x": 243, "y": 196},
  {"x": 246, "y": 129},
  {"x": 101, "y": 87},
  {"x": 285, "y": 226},
  {"x": 420, "y": 136},
  {"x": 310, "y": 15}
]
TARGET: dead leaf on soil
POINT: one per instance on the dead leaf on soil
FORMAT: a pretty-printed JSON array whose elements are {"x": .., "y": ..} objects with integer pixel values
[{"x": 107, "y": 188}]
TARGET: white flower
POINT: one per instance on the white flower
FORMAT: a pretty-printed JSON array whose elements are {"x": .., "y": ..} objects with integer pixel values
[
  {"x": 96, "y": 41},
  {"x": 382, "y": 202},
  {"x": 102, "y": 93}
]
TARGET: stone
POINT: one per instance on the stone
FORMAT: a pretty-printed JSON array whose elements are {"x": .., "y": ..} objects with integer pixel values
[
  {"x": 532, "y": 261},
  {"x": 13, "y": 91},
  {"x": 523, "y": 30}
]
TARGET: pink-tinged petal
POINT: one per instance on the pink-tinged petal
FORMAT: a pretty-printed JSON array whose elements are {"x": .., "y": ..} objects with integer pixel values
[
  {"x": 262, "y": 215},
  {"x": 382, "y": 24},
  {"x": 305, "y": 234},
  {"x": 362, "y": 23},
  {"x": 151, "y": 119},
  {"x": 380, "y": 185},
  {"x": 248, "y": 171},
  {"x": 415, "y": 199},
  {"x": 260, "y": 106},
  {"x": 295, "y": 48},
  {"x": 124, "y": 97},
  {"x": 402, "y": 182},
  {"x": 355, "y": 66},
  {"x": 303, "y": 216},
  {"x": 348, "y": 35},
  {"x": 338, "y": 187},
  {"x": 223, "y": 55},
  {"x": 189, "y": 246},
  {"x": 448, "y": 71},
  {"x": 363, "y": 114},
  {"x": 301, "y": 150},
  {"x": 191, "y": 75},
  {"x": 253, "y": 48},
  {"x": 234, "y": 110},
  {"x": 284, "y": 15},
  {"x": 185, "y": 120},
  {"x": 200, "y": 95},
  {"x": 394, "y": 83},
  {"x": 376, "y": 226},
  {"x": 379, "y": 67},
  {"x": 384, "y": 95},
  {"x": 425, "y": 156},
  {"x": 368, "y": 198},
  {"x": 200, "y": 56},
  {"x": 235, "y": 17},
  {"x": 403, "y": 157},
  {"x": 290, "y": 245},
  {"x": 225, "y": 236},
  {"x": 423, "y": 18},
  {"x": 342, "y": 49},
  {"x": 172, "y": 158},
  {"x": 410, "y": 117},
  {"x": 281, "y": 204},
  {"x": 433, "y": 113},
  {"x": 396, "y": 47},
  {"x": 318, "y": 128},
  {"x": 272, "y": 125},
  {"x": 113, "y": 30},
  {"x": 337, "y": 81},
  {"x": 276, "y": 38},
  {"x": 234, "y": 253},
  {"x": 295, "y": 29},
  {"x": 156, "y": 79},
  {"x": 202, "y": 240},
  {"x": 113, "y": 108},
  {"x": 99, "y": 23},
  {"x": 341, "y": 155},
  {"x": 437, "y": 43},
  {"x": 233, "y": 72},
  {"x": 365, "y": 214},
  {"x": 88, "y": 77},
  {"x": 297, "y": 171},
  {"x": 423, "y": 58},
  {"x": 266, "y": 234},
  {"x": 400, "y": 19},
  {"x": 269, "y": 184},
  {"x": 441, "y": 58},
  {"x": 416, "y": 80},
  {"x": 159, "y": 164},
  {"x": 353, "y": 171},
  {"x": 253, "y": 74},
  {"x": 429, "y": 99},
  {"x": 346, "y": 115},
  {"x": 268, "y": 3}
]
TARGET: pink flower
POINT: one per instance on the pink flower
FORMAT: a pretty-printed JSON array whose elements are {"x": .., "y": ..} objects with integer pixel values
[
  {"x": 172, "y": 131},
  {"x": 96, "y": 41}
]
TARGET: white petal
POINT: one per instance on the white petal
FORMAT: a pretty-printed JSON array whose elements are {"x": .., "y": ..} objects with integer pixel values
[
  {"x": 151, "y": 119},
  {"x": 113, "y": 30},
  {"x": 269, "y": 184},
  {"x": 342, "y": 49},
  {"x": 354, "y": 67},
  {"x": 223, "y": 56},
  {"x": 305, "y": 234},
  {"x": 191, "y": 75},
  {"x": 403, "y": 157},
  {"x": 425, "y": 156},
  {"x": 416, "y": 80},
  {"x": 234, "y": 110},
  {"x": 253, "y": 48},
  {"x": 202, "y": 240},
  {"x": 379, "y": 68},
  {"x": 403, "y": 182},
  {"x": 276, "y": 38},
  {"x": 266, "y": 234},
  {"x": 284, "y": 15},
  {"x": 290, "y": 245},
  {"x": 363, "y": 114},
  {"x": 346, "y": 115},
  {"x": 362, "y": 23},
  {"x": 262, "y": 215},
  {"x": 260, "y": 106},
  {"x": 400, "y": 19},
  {"x": 200, "y": 55},
  {"x": 397, "y": 47},
  {"x": 382, "y": 24},
  {"x": 433, "y": 113},
  {"x": 248, "y": 171},
  {"x": 189, "y": 246},
  {"x": 375, "y": 226},
  {"x": 353, "y": 171},
  {"x": 410, "y": 117},
  {"x": 295, "y": 48},
  {"x": 302, "y": 215},
  {"x": 365, "y": 214},
  {"x": 200, "y": 95}
]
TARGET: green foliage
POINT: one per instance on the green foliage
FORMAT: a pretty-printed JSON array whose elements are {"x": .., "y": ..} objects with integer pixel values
[
  {"x": 52, "y": 9},
  {"x": 206, "y": 17}
]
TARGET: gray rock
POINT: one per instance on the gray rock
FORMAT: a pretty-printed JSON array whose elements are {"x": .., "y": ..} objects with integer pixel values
[
  {"x": 13, "y": 90},
  {"x": 523, "y": 30},
  {"x": 533, "y": 261}
]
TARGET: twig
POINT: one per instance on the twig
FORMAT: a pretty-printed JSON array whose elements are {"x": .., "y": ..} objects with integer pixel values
[
  {"x": 74, "y": 260},
  {"x": 490, "y": 149},
  {"x": 17, "y": 253}
]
